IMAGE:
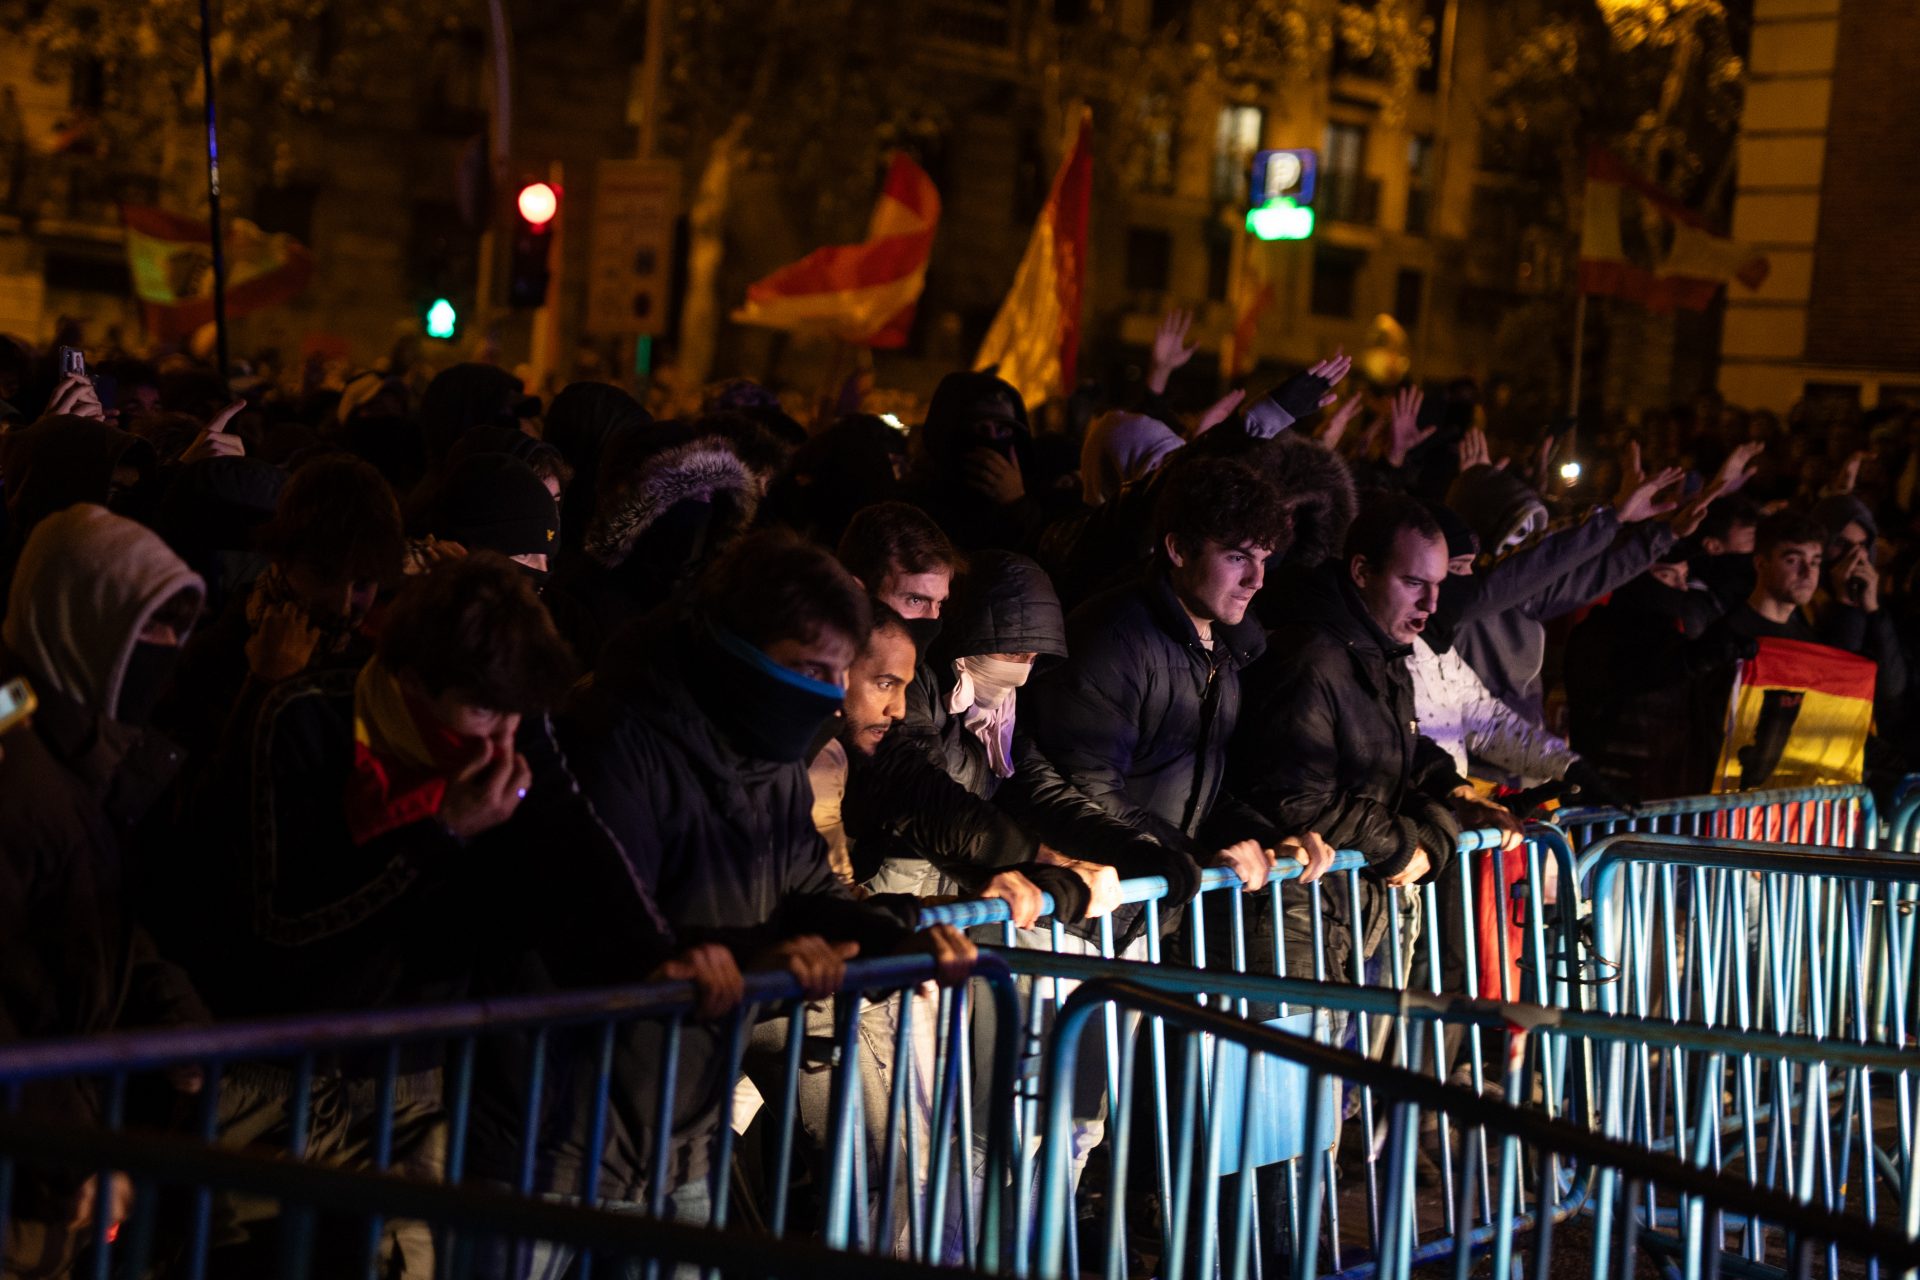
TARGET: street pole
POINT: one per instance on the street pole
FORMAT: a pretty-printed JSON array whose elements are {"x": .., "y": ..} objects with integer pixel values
[
  {"x": 213, "y": 196},
  {"x": 1579, "y": 351}
]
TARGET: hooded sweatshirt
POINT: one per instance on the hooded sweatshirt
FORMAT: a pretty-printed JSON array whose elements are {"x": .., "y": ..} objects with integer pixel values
[
  {"x": 72, "y": 786},
  {"x": 57, "y": 462},
  {"x": 583, "y": 422},
  {"x": 1120, "y": 448},
  {"x": 949, "y": 434},
  {"x": 87, "y": 584}
]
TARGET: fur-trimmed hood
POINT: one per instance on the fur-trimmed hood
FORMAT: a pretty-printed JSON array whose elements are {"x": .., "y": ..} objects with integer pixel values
[
  {"x": 650, "y": 474},
  {"x": 1318, "y": 489}
]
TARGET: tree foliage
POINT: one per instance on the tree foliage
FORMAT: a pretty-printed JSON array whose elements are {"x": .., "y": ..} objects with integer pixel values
[{"x": 1656, "y": 80}]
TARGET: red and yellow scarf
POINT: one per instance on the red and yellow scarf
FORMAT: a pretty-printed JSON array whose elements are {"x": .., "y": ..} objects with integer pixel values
[{"x": 403, "y": 757}]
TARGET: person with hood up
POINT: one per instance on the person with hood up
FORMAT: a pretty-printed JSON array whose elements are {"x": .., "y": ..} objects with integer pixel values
[
  {"x": 462, "y": 398},
  {"x": 95, "y": 619},
  {"x": 973, "y": 463},
  {"x": 585, "y": 421},
  {"x": 672, "y": 498},
  {"x": 1123, "y": 449}
]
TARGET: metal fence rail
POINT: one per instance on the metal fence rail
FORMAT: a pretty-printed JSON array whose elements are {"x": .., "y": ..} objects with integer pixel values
[
  {"x": 484, "y": 1217},
  {"x": 892, "y": 1170},
  {"x": 1839, "y": 817},
  {"x": 1568, "y": 1166}
]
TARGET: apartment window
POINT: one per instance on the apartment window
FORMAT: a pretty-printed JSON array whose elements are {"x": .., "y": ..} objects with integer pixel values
[
  {"x": 1236, "y": 137},
  {"x": 1409, "y": 289},
  {"x": 1346, "y": 194},
  {"x": 1157, "y": 122},
  {"x": 1428, "y": 79},
  {"x": 1336, "y": 281},
  {"x": 1420, "y": 163},
  {"x": 1149, "y": 260}
]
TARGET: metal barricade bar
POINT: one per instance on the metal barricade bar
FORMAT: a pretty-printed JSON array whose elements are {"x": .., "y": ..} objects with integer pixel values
[
  {"x": 947, "y": 1180},
  {"x": 1624, "y": 1172}
]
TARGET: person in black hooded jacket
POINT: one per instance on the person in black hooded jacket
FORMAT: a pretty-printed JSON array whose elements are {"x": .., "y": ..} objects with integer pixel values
[
  {"x": 973, "y": 465},
  {"x": 585, "y": 421}
]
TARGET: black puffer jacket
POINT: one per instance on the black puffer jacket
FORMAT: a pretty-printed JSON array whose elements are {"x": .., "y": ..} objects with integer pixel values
[
  {"x": 725, "y": 843},
  {"x": 1004, "y": 604},
  {"x": 1139, "y": 717},
  {"x": 1329, "y": 742}
]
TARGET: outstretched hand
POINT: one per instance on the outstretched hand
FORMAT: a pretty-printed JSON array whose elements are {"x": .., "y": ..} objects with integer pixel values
[
  {"x": 1219, "y": 411},
  {"x": 1170, "y": 349},
  {"x": 1645, "y": 501},
  {"x": 1404, "y": 432},
  {"x": 1337, "y": 423}
]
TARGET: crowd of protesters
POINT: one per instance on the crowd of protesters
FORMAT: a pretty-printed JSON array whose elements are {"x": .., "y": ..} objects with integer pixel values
[{"x": 408, "y": 690}]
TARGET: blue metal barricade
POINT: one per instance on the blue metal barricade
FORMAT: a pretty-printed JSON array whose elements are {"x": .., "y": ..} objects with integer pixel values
[
  {"x": 1775, "y": 939},
  {"x": 1837, "y": 817},
  {"x": 493, "y": 1221},
  {"x": 890, "y": 1170},
  {"x": 1521, "y": 1174}
]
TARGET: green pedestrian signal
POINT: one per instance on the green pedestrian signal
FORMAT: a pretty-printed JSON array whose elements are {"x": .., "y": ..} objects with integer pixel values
[{"x": 442, "y": 320}]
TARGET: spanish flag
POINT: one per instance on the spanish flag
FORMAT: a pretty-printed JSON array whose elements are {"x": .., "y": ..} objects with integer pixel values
[
  {"x": 1684, "y": 265},
  {"x": 1798, "y": 717},
  {"x": 1034, "y": 342},
  {"x": 171, "y": 259},
  {"x": 863, "y": 293}
]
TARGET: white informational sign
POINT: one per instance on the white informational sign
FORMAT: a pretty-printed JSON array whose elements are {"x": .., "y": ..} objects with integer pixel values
[{"x": 630, "y": 270}]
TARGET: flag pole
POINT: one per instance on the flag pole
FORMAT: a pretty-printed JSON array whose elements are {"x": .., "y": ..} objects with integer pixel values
[
  {"x": 1579, "y": 350},
  {"x": 213, "y": 196}
]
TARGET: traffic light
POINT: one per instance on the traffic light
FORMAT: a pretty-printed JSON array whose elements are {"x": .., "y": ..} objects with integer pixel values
[
  {"x": 442, "y": 320},
  {"x": 535, "y": 209},
  {"x": 1282, "y": 194}
]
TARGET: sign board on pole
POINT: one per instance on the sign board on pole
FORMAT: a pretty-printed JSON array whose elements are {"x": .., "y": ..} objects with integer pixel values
[{"x": 630, "y": 269}]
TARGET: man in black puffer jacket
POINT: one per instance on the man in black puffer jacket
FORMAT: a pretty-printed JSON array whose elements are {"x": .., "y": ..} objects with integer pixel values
[
  {"x": 1139, "y": 718},
  {"x": 1330, "y": 742}
]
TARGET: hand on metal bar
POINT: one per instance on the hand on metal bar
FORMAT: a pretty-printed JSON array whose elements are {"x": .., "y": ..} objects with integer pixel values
[
  {"x": 710, "y": 967},
  {"x": 953, "y": 953},
  {"x": 1103, "y": 882},
  {"x": 1313, "y": 854},
  {"x": 1249, "y": 860},
  {"x": 818, "y": 965}
]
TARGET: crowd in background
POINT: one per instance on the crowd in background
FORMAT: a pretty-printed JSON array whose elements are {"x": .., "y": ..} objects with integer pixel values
[{"x": 411, "y": 688}]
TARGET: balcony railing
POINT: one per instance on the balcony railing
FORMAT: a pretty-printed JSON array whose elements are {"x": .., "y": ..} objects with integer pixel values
[{"x": 1349, "y": 197}]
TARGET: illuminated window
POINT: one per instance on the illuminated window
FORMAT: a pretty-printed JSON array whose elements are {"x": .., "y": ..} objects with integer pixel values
[{"x": 1236, "y": 137}]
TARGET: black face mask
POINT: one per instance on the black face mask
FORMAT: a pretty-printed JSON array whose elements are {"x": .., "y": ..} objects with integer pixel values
[
  {"x": 924, "y": 632},
  {"x": 766, "y": 711},
  {"x": 538, "y": 577},
  {"x": 149, "y": 670}
]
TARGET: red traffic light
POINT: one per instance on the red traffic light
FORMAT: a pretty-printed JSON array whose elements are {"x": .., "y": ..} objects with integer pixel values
[{"x": 538, "y": 203}]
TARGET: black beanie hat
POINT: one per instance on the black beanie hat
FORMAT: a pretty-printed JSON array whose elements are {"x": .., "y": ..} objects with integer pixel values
[
  {"x": 1461, "y": 539},
  {"x": 494, "y": 502}
]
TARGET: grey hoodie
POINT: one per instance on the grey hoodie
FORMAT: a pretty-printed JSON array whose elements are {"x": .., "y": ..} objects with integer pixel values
[{"x": 87, "y": 584}]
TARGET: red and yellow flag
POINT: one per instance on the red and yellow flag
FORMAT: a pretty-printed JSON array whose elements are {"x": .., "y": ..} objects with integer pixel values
[
  {"x": 862, "y": 293},
  {"x": 1686, "y": 272},
  {"x": 171, "y": 258},
  {"x": 1798, "y": 717},
  {"x": 1034, "y": 341}
]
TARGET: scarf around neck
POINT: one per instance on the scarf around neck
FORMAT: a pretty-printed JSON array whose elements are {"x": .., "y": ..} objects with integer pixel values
[{"x": 403, "y": 757}]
